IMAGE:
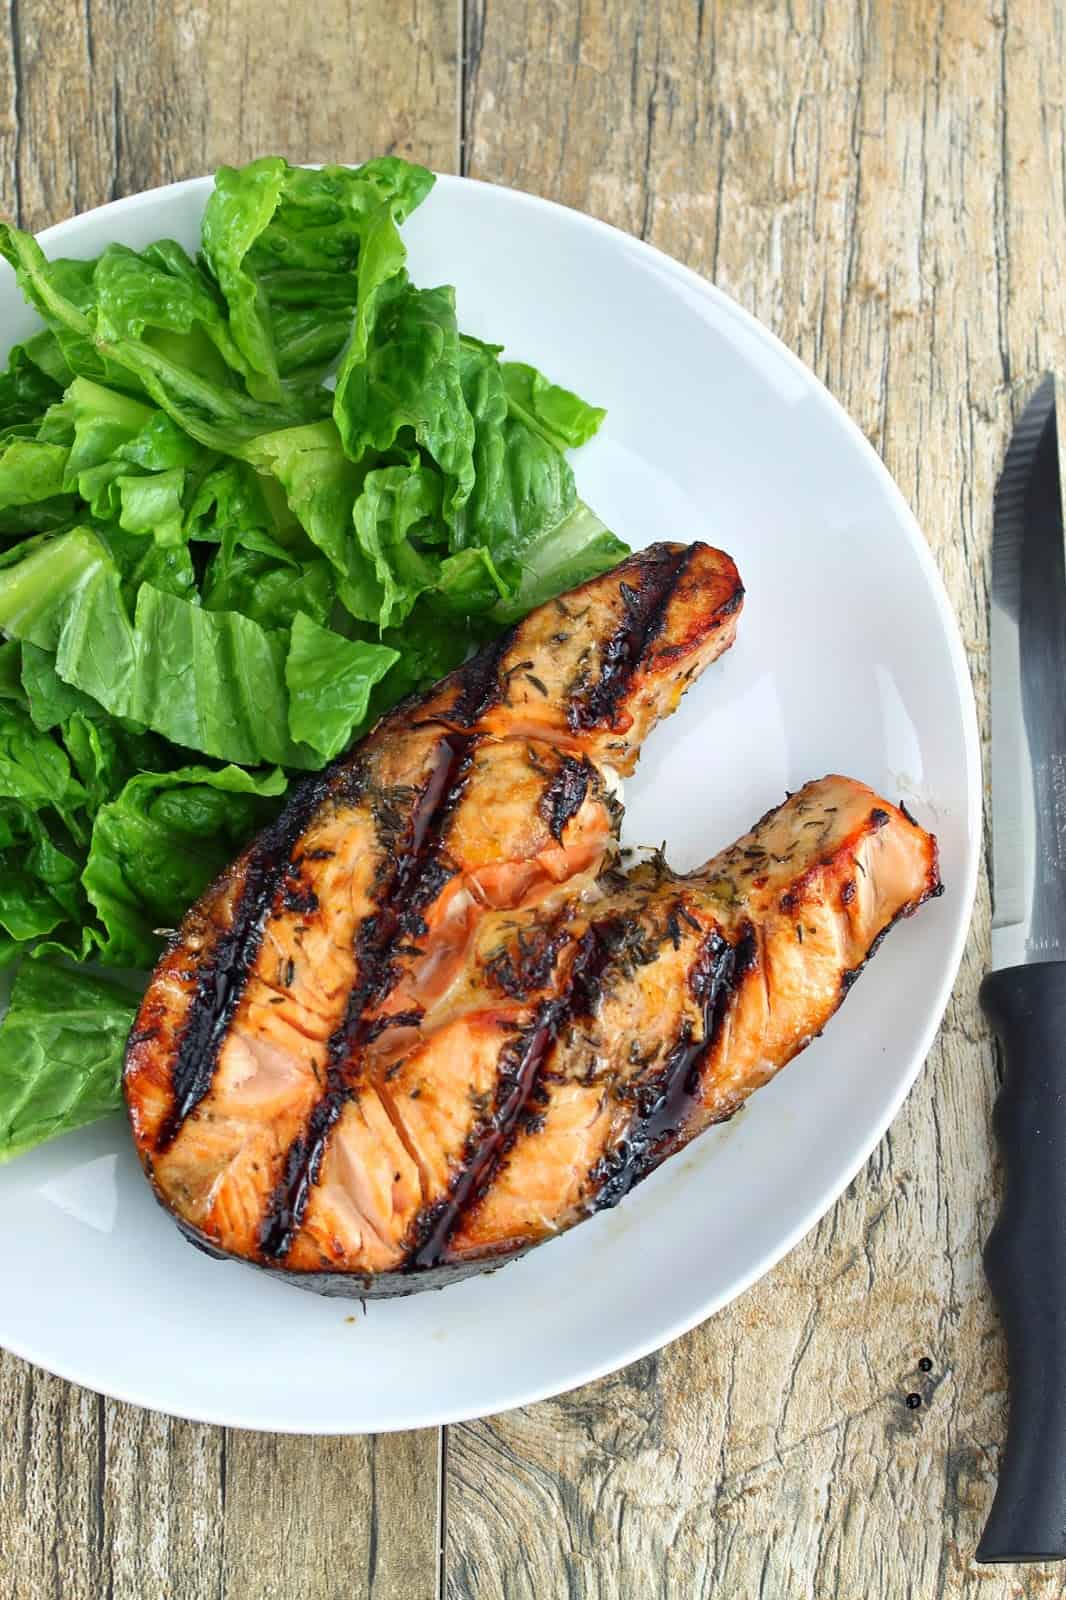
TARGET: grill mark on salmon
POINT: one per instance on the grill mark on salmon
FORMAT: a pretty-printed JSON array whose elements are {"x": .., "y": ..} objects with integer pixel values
[
  {"x": 565, "y": 794},
  {"x": 520, "y": 1064},
  {"x": 664, "y": 1104},
  {"x": 480, "y": 682},
  {"x": 374, "y": 943},
  {"x": 223, "y": 974},
  {"x": 645, "y": 614}
]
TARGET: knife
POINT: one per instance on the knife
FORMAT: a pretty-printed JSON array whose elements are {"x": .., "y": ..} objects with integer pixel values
[{"x": 1024, "y": 996}]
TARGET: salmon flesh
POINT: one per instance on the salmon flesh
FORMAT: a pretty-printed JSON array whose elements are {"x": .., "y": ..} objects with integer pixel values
[{"x": 426, "y": 1021}]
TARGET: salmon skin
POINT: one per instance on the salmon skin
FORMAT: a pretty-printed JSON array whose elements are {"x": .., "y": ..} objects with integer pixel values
[{"x": 426, "y": 1022}]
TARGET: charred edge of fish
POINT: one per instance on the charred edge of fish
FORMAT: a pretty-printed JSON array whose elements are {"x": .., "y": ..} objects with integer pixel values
[
  {"x": 348, "y": 1285},
  {"x": 222, "y": 975},
  {"x": 518, "y": 1076},
  {"x": 480, "y": 681},
  {"x": 663, "y": 1104},
  {"x": 645, "y": 614},
  {"x": 565, "y": 794},
  {"x": 375, "y": 939}
]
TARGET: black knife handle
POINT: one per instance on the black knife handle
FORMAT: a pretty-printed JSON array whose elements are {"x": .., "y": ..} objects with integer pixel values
[{"x": 1025, "y": 1260}]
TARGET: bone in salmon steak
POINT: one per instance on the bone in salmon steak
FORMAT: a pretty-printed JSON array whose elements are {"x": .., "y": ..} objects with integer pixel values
[{"x": 425, "y": 1021}]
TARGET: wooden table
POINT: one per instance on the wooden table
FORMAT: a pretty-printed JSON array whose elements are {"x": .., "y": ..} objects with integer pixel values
[{"x": 883, "y": 184}]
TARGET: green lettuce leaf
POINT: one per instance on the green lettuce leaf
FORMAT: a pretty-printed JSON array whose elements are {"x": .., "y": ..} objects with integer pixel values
[
  {"x": 26, "y": 391},
  {"x": 230, "y": 701},
  {"x": 30, "y": 470},
  {"x": 11, "y": 686},
  {"x": 429, "y": 646},
  {"x": 321, "y": 484},
  {"x": 94, "y": 422},
  {"x": 400, "y": 375},
  {"x": 43, "y": 350},
  {"x": 152, "y": 505},
  {"x": 393, "y": 504},
  {"x": 62, "y": 292},
  {"x": 561, "y": 555},
  {"x": 106, "y": 751},
  {"x": 61, "y": 1048},
  {"x": 329, "y": 681},
  {"x": 44, "y": 516},
  {"x": 41, "y": 832},
  {"x": 555, "y": 413},
  {"x": 162, "y": 300},
  {"x": 223, "y": 418},
  {"x": 232, "y": 499},
  {"x": 139, "y": 322},
  {"x": 34, "y": 768},
  {"x": 126, "y": 459},
  {"x": 397, "y": 525},
  {"x": 212, "y": 681},
  {"x": 40, "y": 883},
  {"x": 50, "y": 700},
  {"x": 269, "y": 587},
  {"x": 165, "y": 566},
  {"x": 283, "y": 243},
  {"x": 161, "y": 841},
  {"x": 524, "y": 507}
]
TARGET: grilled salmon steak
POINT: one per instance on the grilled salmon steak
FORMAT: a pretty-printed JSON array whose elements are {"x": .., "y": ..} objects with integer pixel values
[{"x": 425, "y": 1021}]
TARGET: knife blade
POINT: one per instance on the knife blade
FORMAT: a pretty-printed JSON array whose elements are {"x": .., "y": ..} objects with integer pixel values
[{"x": 1024, "y": 996}]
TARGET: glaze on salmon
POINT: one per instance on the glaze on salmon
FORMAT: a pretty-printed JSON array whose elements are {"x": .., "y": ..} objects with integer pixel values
[{"x": 425, "y": 1022}]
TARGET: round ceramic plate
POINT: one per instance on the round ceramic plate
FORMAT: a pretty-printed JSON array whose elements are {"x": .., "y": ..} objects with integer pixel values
[{"x": 847, "y": 660}]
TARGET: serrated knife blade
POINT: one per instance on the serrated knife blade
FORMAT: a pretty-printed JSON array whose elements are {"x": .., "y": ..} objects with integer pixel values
[{"x": 1028, "y": 655}]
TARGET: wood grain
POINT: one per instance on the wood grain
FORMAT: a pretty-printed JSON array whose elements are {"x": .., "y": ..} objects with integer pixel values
[
  {"x": 883, "y": 185},
  {"x": 100, "y": 99},
  {"x": 107, "y": 97}
]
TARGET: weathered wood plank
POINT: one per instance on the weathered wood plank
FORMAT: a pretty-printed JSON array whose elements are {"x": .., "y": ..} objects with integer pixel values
[
  {"x": 331, "y": 1517},
  {"x": 100, "y": 99},
  {"x": 883, "y": 186},
  {"x": 108, "y": 97}
]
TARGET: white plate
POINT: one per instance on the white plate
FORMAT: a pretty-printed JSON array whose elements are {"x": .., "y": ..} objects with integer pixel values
[{"x": 847, "y": 660}]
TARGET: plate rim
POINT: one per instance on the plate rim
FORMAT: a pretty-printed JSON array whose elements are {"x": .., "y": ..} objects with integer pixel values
[{"x": 591, "y": 1371}]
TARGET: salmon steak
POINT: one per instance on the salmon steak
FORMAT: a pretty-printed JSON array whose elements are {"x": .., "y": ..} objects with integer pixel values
[{"x": 426, "y": 1020}]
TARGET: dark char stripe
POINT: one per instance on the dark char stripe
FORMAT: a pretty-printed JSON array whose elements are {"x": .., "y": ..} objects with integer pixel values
[
  {"x": 223, "y": 975},
  {"x": 663, "y": 1105},
  {"x": 519, "y": 1070},
  {"x": 480, "y": 682},
  {"x": 565, "y": 794},
  {"x": 645, "y": 614},
  {"x": 415, "y": 879}
]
